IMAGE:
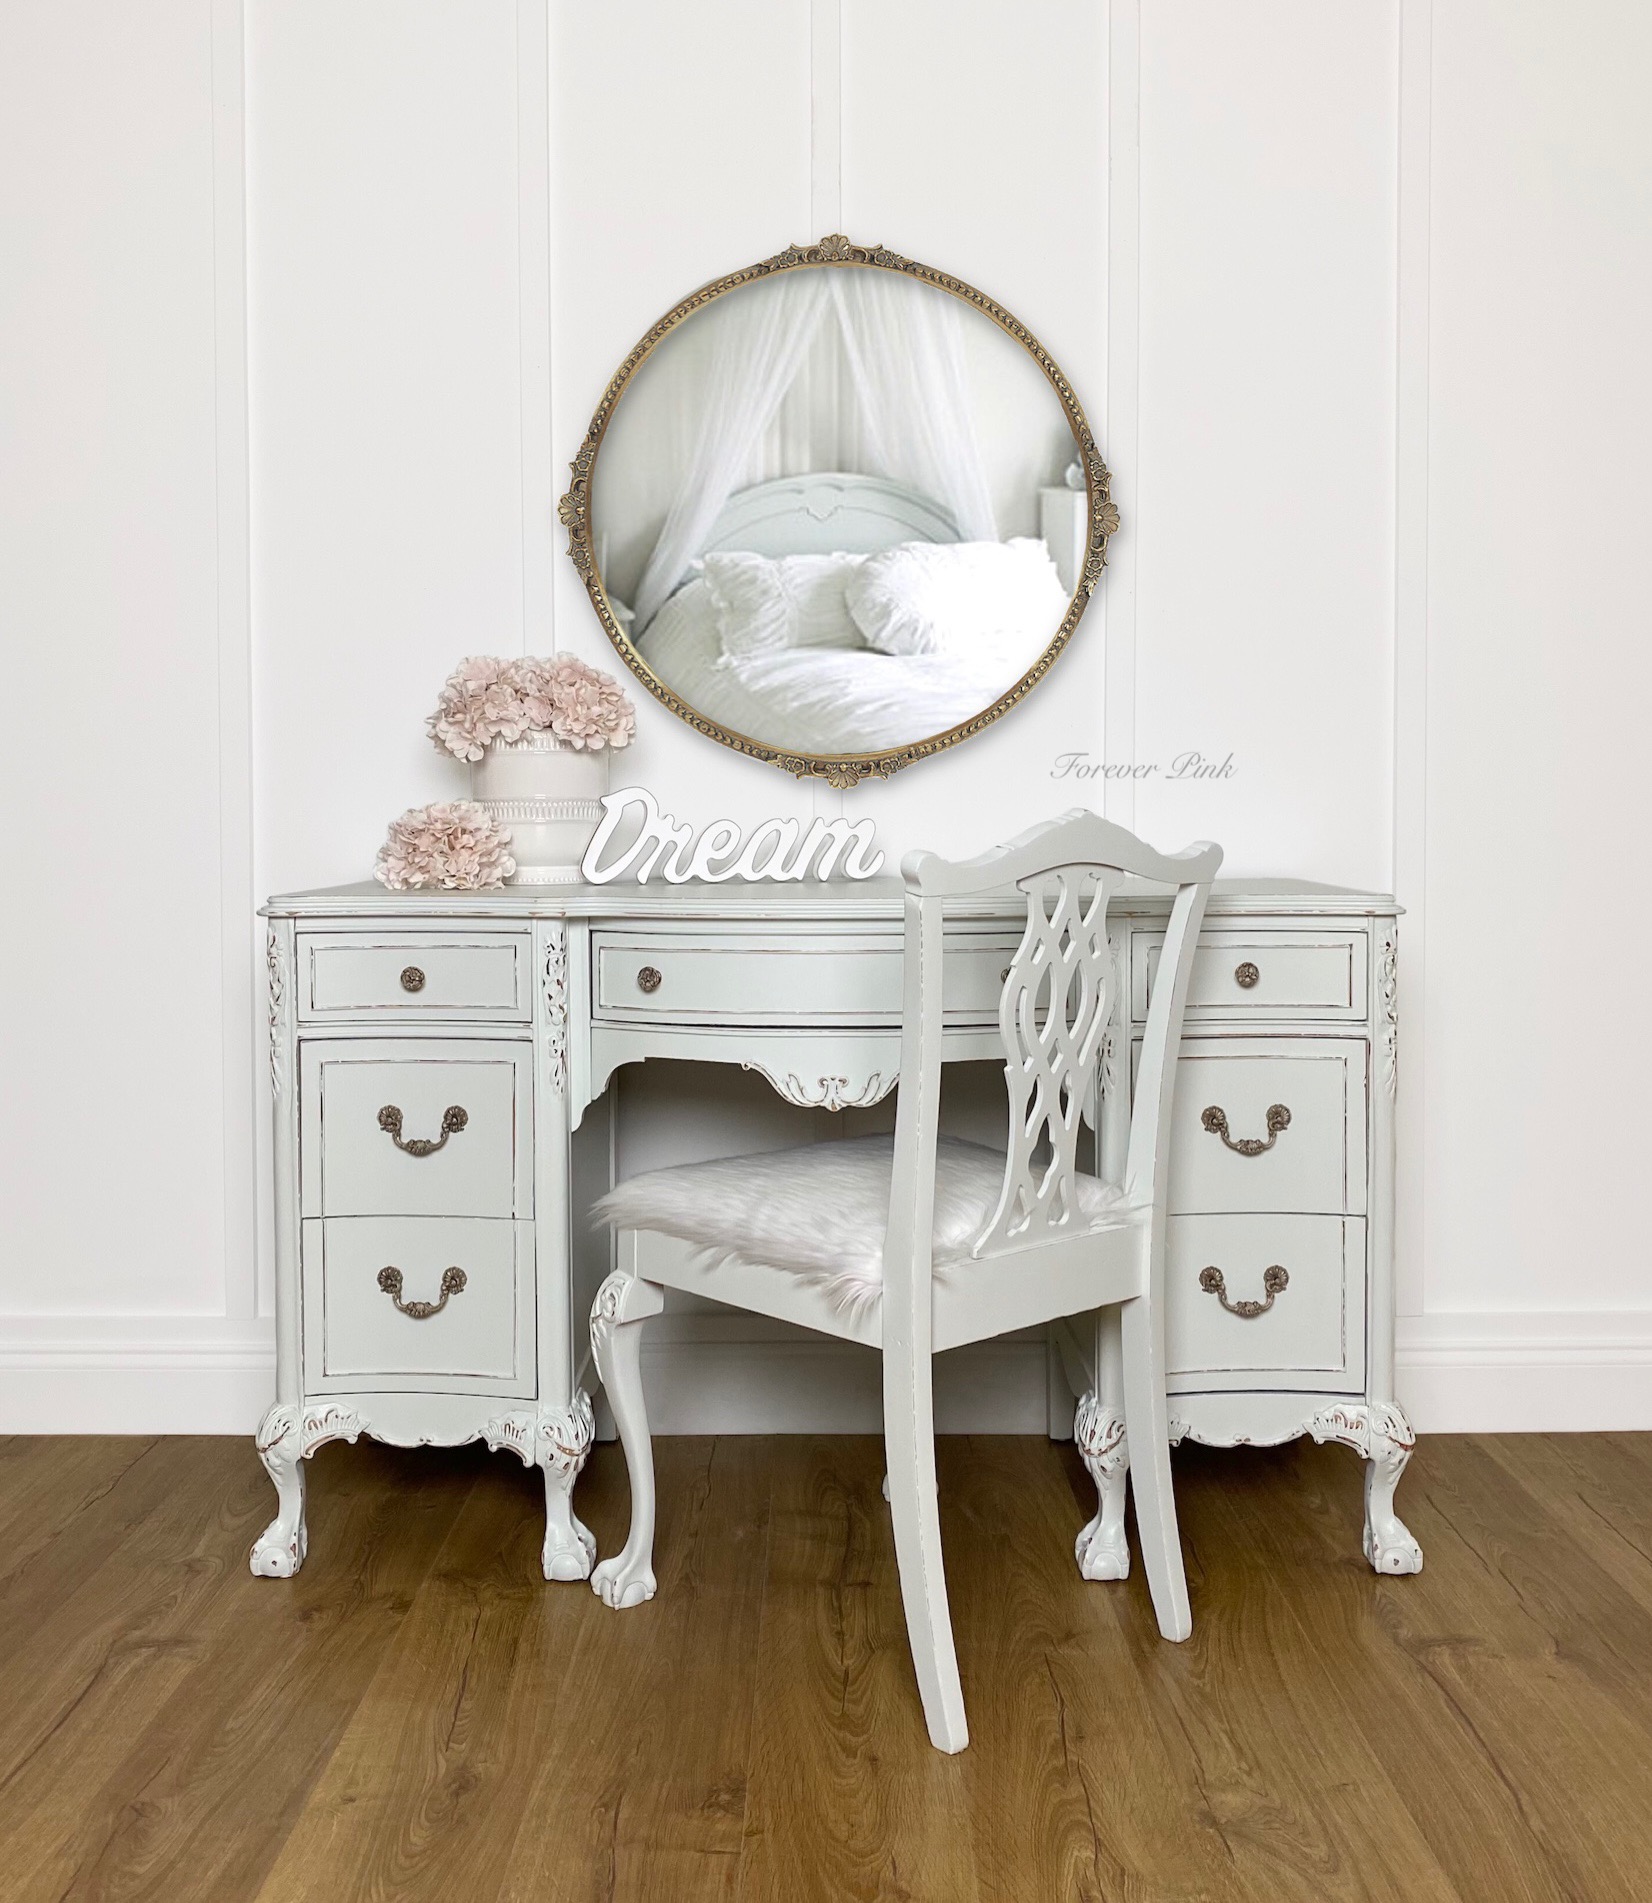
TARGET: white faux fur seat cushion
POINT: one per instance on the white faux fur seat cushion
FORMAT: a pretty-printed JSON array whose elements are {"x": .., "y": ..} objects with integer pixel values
[{"x": 820, "y": 1211}]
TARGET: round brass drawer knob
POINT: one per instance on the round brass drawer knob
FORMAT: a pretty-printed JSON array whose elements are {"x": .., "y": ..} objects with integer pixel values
[
  {"x": 648, "y": 979},
  {"x": 412, "y": 978},
  {"x": 1246, "y": 975}
]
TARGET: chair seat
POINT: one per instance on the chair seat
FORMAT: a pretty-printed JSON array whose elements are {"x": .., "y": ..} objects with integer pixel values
[{"x": 820, "y": 1211}]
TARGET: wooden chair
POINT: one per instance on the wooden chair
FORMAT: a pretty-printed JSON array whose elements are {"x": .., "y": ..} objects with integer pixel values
[{"x": 974, "y": 1245}]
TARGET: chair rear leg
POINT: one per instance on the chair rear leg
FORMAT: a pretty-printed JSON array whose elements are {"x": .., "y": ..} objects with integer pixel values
[
  {"x": 623, "y": 1303},
  {"x": 909, "y": 1447},
  {"x": 1147, "y": 1421}
]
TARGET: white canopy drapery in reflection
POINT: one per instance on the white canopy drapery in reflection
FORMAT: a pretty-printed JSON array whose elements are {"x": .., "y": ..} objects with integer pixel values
[{"x": 903, "y": 347}]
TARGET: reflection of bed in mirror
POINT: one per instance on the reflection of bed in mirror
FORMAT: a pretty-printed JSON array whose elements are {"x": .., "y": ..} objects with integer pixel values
[{"x": 828, "y": 690}]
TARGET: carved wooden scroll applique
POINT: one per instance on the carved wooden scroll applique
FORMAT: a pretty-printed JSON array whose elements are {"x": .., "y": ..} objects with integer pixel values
[{"x": 655, "y": 844}]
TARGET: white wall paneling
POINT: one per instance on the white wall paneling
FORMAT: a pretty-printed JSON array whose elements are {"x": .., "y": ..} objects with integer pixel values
[
  {"x": 126, "y": 1169},
  {"x": 1409, "y": 780},
  {"x": 307, "y": 304},
  {"x": 1538, "y": 674}
]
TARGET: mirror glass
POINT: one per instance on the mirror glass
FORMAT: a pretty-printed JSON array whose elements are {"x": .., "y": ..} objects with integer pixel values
[{"x": 837, "y": 514}]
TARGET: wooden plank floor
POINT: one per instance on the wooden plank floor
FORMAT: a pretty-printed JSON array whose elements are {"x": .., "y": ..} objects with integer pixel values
[{"x": 419, "y": 1716}]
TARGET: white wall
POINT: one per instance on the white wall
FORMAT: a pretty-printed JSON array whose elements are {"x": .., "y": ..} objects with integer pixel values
[
  {"x": 126, "y": 1217},
  {"x": 1353, "y": 295}
]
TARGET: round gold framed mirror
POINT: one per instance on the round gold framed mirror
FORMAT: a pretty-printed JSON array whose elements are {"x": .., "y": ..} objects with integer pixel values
[{"x": 839, "y": 511}]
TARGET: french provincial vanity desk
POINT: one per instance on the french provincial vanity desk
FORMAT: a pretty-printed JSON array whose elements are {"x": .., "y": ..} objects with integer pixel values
[{"x": 435, "y": 1059}]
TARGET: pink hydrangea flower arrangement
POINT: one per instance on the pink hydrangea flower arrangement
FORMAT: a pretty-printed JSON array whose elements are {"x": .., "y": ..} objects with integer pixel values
[
  {"x": 486, "y": 698},
  {"x": 453, "y": 845}
]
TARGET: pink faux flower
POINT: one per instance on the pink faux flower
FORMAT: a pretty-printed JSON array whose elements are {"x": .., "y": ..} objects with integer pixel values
[
  {"x": 486, "y": 698},
  {"x": 453, "y": 845}
]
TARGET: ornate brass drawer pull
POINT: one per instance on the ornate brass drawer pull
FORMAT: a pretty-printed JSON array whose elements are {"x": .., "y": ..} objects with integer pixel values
[
  {"x": 454, "y": 1117},
  {"x": 1215, "y": 1119},
  {"x": 390, "y": 1280},
  {"x": 1274, "y": 1280},
  {"x": 649, "y": 979},
  {"x": 1246, "y": 976},
  {"x": 412, "y": 978}
]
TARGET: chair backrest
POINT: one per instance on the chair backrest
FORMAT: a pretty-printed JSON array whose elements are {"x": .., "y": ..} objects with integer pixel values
[{"x": 1062, "y": 989}]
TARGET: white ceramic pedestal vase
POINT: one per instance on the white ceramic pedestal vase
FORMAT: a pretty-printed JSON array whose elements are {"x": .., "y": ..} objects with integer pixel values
[{"x": 548, "y": 797}]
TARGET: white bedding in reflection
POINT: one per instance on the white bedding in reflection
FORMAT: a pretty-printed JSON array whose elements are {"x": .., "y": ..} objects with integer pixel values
[{"x": 826, "y": 700}]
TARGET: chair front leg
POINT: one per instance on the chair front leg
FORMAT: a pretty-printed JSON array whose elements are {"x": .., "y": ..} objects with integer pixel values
[
  {"x": 909, "y": 1447},
  {"x": 623, "y": 1304},
  {"x": 1147, "y": 1418}
]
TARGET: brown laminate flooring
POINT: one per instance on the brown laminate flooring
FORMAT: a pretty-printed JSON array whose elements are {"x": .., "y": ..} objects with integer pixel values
[{"x": 418, "y": 1715}]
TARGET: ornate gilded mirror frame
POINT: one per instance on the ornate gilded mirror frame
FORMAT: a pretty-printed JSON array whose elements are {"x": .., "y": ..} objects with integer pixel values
[{"x": 575, "y": 511}]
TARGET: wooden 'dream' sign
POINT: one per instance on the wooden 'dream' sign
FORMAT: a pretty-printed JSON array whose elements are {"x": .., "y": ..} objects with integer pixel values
[{"x": 776, "y": 849}]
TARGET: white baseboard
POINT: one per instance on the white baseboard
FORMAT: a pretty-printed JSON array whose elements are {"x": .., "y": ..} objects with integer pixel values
[
  {"x": 1457, "y": 1373},
  {"x": 134, "y": 1375},
  {"x": 1512, "y": 1372}
]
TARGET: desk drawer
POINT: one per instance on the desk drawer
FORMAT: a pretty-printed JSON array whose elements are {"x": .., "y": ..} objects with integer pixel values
[
  {"x": 1310, "y": 1331},
  {"x": 1265, "y": 1123},
  {"x": 742, "y": 979},
  {"x": 1240, "y": 975},
  {"x": 425, "y": 974},
  {"x": 416, "y": 1127},
  {"x": 457, "y": 1316}
]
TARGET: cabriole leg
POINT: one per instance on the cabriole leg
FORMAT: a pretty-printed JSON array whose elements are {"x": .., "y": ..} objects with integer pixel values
[
  {"x": 623, "y": 1303},
  {"x": 1381, "y": 1435},
  {"x": 1388, "y": 1542},
  {"x": 279, "y": 1551},
  {"x": 1102, "y": 1549},
  {"x": 1098, "y": 1429},
  {"x": 562, "y": 1439}
]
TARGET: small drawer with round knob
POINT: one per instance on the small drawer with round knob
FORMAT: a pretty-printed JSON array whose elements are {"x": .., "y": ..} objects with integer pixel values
[
  {"x": 485, "y": 977},
  {"x": 785, "y": 981},
  {"x": 1262, "y": 973}
]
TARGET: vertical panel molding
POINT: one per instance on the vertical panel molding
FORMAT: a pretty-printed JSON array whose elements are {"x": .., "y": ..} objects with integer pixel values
[
  {"x": 533, "y": 151},
  {"x": 244, "y": 1105},
  {"x": 1413, "y": 188},
  {"x": 1119, "y": 432},
  {"x": 826, "y": 117}
]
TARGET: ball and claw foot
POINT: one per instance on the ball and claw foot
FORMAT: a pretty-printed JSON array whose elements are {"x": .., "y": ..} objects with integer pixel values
[
  {"x": 279, "y": 1552},
  {"x": 560, "y": 1560},
  {"x": 623, "y": 1581},
  {"x": 1102, "y": 1551},
  {"x": 1394, "y": 1550}
]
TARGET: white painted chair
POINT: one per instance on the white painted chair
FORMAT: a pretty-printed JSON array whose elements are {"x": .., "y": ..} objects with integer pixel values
[{"x": 923, "y": 1244}]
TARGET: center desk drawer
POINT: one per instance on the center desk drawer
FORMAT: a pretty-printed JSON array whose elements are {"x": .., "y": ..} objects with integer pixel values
[
  {"x": 424, "y": 974},
  {"x": 784, "y": 981},
  {"x": 416, "y": 1127},
  {"x": 1240, "y": 975},
  {"x": 1265, "y": 1123},
  {"x": 418, "y": 1303}
]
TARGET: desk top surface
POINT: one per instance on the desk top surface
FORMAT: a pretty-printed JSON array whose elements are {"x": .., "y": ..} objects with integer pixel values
[{"x": 829, "y": 900}]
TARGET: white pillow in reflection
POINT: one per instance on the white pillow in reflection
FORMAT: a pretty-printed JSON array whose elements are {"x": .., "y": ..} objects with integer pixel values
[
  {"x": 768, "y": 605},
  {"x": 962, "y": 598}
]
